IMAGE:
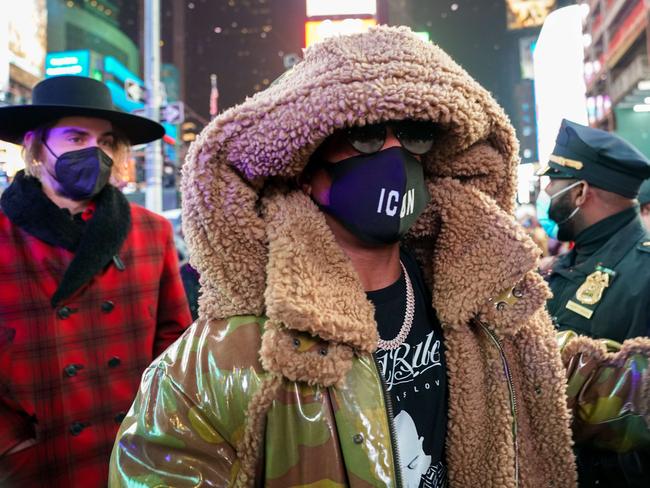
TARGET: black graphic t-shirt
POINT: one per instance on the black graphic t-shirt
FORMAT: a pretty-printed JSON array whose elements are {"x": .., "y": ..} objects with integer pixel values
[{"x": 415, "y": 376}]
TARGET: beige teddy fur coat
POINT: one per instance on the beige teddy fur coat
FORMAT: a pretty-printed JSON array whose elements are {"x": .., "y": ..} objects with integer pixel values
[{"x": 264, "y": 249}]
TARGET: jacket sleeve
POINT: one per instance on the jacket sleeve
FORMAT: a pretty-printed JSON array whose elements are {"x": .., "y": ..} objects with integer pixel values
[
  {"x": 16, "y": 428},
  {"x": 167, "y": 440},
  {"x": 173, "y": 310},
  {"x": 608, "y": 390}
]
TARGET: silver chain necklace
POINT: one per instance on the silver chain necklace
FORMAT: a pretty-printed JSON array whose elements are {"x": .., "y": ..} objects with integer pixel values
[{"x": 408, "y": 317}]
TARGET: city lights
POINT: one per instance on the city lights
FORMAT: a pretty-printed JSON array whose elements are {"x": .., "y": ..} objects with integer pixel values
[
  {"x": 318, "y": 30},
  {"x": 64, "y": 70},
  {"x": 67, "y": 63},
  {"x": 559, "y": 80},
  {"x": 527, "y": 13},
  {"x": 324, "y": 8}
]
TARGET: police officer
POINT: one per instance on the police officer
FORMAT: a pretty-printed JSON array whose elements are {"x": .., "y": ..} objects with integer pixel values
[{"x": 601, "y": 288}]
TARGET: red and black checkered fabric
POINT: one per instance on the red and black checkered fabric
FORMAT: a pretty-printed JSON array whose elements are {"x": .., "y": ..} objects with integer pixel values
[{"x": 69, "y": 374}]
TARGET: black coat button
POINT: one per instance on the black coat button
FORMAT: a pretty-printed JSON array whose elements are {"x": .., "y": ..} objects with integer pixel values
[
  {"x": 77, "y": 427},
  {"x": 64, "y": 312},
  {"x": 71, "y": 369},
  {"x": 119, "y": 417},
  {"x": 108, "y": 306},
  {"x": 114, "y": 362}
]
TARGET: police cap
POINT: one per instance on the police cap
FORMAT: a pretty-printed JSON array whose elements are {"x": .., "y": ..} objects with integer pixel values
[{"x": 601, "y": 158}]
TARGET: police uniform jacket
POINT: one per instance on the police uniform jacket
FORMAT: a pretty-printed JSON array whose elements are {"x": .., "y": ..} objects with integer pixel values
[
  {"x": 620, "y": 246},
  {"x": 600, "y": 304}
]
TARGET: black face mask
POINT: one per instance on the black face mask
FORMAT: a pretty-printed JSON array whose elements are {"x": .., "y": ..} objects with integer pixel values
[
  {"x": 561, "y": 211},
  {"x": 377, "y": 197},
  {"x": 83, "y": 173}
]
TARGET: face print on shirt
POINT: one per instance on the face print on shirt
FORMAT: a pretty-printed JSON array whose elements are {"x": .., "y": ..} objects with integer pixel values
[{"x": 413, "y": 459}]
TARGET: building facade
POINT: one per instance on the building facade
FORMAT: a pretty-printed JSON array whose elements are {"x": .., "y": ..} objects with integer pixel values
[
  {"x": 23, "y": 39},
  {"x": 93, "y": 25},
  {"x": 617, "y": 68}
]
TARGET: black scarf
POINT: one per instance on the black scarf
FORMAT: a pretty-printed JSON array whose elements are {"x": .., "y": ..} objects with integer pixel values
[{"x": 94, "y": 244}]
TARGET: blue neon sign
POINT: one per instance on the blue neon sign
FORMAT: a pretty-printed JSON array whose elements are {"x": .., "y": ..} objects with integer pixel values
[
  {"x": 67, "y": 63},
  {"x": 119, "y": 74},
  {"x": 118, "y": 70}
]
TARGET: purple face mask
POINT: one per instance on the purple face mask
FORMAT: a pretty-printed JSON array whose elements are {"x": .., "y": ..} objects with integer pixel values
[
  {"x": 83, "y": 173},
  {"x": 379, "y": 196}
]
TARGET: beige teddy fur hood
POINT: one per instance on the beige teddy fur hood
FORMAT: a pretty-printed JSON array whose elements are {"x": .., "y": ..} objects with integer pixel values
[{"x": 262, "y": 247}]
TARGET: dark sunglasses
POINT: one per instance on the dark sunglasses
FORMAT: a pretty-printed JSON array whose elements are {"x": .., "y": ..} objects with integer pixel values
[{"x": 416, "y": 136}]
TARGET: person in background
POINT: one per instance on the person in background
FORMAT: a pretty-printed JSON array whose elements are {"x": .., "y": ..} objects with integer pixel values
[
  {"x": 644, "y": 202},
  {"x": 192, "y": 287},
  {"x": 601, "y": 301},
  {"x": 89, "y": 286},
  {"x": 526, "y": 216},
  {"x": 370, "y": 312},
  {"x": 188, "y": 274}
]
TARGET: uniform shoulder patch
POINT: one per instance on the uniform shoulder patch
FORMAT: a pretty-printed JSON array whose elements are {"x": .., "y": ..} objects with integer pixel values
[{"x": 644, "y": 244}]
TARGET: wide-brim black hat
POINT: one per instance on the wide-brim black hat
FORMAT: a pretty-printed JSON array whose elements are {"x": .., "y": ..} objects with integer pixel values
[{"x": 66, "y": 96}]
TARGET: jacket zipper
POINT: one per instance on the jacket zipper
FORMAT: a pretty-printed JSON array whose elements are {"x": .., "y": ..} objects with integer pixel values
[
  {"x": 513, "y": 399},
  {"x": 388, "y": 402}
]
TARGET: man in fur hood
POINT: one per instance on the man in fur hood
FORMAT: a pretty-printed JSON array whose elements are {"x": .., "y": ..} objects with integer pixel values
[{"x": 371, "y": 314}]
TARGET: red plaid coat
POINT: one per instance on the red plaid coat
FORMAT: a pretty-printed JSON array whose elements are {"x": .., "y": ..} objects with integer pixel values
[{"x": 69, "y": 374}]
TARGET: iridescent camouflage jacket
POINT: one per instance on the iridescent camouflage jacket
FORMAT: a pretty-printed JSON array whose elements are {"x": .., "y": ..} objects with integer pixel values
[
  {"x": 275, "y": 384},
  {"x": 608, "y": 391}
]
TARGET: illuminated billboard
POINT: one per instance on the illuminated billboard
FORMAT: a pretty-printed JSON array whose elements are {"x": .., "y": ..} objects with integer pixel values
[
  {"x": 527, "y": 13},
  {"x": 327, "y": 8},
  {"x": 526, "y": 49},
  {"x": 4, "y": 56},
  {"x": 560, "y": 91},
  {"x": 67, "y": 63},
  {"x": 115, "y": 77},
  {"x": 27, "y": 29},
  {"x": 318, "y": 30}
]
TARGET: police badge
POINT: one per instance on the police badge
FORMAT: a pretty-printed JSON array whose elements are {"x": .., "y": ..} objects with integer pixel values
[{"x": 591, "y": 291}]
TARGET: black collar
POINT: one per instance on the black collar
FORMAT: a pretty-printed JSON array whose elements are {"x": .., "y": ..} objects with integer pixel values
[
  {"x": 94, "y": 243},
  {"x": 597, "y": 235},
  {"x": 608, "y": 255}
]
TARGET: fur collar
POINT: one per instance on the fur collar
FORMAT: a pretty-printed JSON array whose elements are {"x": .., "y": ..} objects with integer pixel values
[
  {"x": 263, "y": 253},
  {"x": 311, "y": 284},
  {"x": 26, "y": 206},
  {"x": 312, "y": 287},
  {"x": 480, "y": 253}
]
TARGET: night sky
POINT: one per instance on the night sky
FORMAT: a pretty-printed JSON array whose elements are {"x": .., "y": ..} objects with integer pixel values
[{"x": 473, "y": 32}]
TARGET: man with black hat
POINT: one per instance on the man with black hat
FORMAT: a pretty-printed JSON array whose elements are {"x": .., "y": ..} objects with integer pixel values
[
  {"x": 89, "y": 286},
  {"x": 601, "y": 292}
]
